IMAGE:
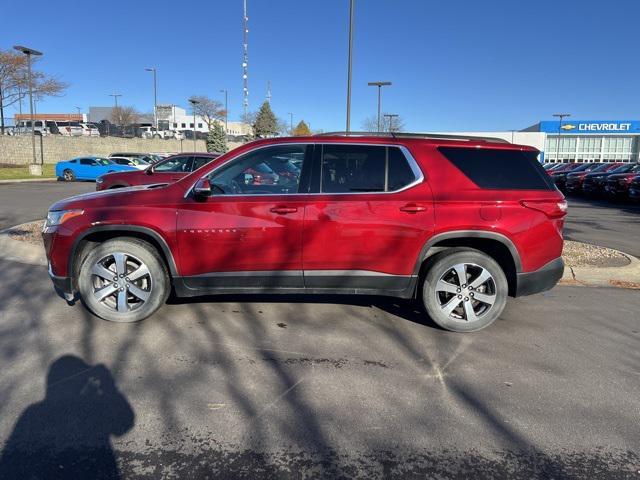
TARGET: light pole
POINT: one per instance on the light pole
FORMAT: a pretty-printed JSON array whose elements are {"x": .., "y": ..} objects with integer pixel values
[
  {"x": 379, "y": 85},
  {"x": 155, "y": 96},
  {"x": 115, "y": 118},
  {"x": 193, "y": 103},
  {"x": 34, "y": 168},
  {"x": 290, "y": 123},
  {"x": 351, "y": 5},
  {"x": 391, "y": 116},
  {"x": 226, "y": 111},
  {"x": 560, "y": 116},
  {"x": 79, "y": 109}
]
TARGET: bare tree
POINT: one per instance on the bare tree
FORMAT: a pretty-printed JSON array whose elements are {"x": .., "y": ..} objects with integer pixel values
[
  {"x": 370, "y": 124},
  {"x": 14, "y": 83},
  {"x": 209, "y": 109},
  {"x": 124, "y": 116}
]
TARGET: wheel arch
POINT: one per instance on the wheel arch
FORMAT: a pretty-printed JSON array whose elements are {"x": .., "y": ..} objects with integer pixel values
[
  {"x": 98, "y": 234},
  {"x": 495, "y": 245}
]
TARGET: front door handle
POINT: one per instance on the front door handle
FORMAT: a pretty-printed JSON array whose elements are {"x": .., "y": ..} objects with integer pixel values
[
  {"x": 413, "y": 208},
  {"x": 284, "y": 210}
]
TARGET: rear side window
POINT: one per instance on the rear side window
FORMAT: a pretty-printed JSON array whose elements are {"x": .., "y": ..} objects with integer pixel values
[
  {"x": 500, "y": 169},
  {"x": 364, "y": 169}
]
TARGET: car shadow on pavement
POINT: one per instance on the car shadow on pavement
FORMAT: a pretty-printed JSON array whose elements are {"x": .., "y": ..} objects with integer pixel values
[
  {"x": 406, "y": 309},
  {"x": 67, "y": 434}
]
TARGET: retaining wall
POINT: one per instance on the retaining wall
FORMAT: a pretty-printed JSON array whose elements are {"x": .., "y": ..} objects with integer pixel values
[{"x": 16, "y": 150}]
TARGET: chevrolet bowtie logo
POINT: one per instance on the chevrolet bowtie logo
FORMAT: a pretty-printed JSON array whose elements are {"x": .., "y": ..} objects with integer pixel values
[{"x": 568, "y": 127}]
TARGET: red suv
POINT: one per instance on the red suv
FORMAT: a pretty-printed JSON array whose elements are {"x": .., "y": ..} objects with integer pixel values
[
  {"x": 459, "y": 223},
  {"x": 167, "y": 170}
]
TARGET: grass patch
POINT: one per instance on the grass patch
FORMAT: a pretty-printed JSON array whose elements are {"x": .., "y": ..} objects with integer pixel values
[{"x": 19, "y": 173}]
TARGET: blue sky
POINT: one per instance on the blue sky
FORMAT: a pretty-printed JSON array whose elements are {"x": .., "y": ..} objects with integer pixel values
[{"x": 455, "y": 65}]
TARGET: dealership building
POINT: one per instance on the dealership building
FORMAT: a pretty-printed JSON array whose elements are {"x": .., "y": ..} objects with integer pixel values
[{"x": 577, "y": 140}]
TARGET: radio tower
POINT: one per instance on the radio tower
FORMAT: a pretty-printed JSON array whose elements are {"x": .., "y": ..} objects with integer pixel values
[{"x": 245, "y": 61}]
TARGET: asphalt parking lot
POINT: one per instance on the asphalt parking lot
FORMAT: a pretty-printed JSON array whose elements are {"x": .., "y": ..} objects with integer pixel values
[{"x": 305, "y": 387}]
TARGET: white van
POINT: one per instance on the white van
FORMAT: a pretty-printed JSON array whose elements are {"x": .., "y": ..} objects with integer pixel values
[{"x": 23, "y": 127}]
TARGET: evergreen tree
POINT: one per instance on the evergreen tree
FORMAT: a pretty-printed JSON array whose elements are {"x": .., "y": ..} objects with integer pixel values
[
  {"x": 301, "y": 129},
  {"x": 217, "y": 138},
  {"x": 266, "y": 124}
]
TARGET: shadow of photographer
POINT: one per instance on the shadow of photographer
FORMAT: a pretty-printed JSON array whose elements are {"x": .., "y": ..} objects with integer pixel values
[{"x": 67, "y": 434}]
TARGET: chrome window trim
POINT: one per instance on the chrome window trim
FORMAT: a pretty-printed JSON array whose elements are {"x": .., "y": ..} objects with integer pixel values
[{"x": 415, "y": 168}]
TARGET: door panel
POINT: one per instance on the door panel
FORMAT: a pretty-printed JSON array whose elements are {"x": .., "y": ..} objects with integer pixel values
[
  {"x": 367, "y": 230},
  {"x": 248, "y": 234},
  {"x": 232, "y": 234}
]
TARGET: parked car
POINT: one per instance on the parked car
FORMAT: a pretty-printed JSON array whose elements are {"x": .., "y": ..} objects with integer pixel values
[
  {"x": 23, "y": 127},
  {"x": 560, "y": 177},
  {"x": 87, "y": 168},
  {"x": 66, "y": 129},
  {"x": 151, "y": 132},
  {"x": 573, "y": 183},
  {"x": 167, "y": 170},
  {"x": 90, "y": 129},
  {"x": 593, "y": 183},
  {"x": 617, "y": 186},
  {"x": 132, "y": 162},
  {"x": 147, "y": 157},
  {"x": 634, "y": 189},
  {"x": 459, "y": 224}
]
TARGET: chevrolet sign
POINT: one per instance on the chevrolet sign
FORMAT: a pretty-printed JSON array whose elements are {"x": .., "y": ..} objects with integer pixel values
[{"x": 602, "y": 127}]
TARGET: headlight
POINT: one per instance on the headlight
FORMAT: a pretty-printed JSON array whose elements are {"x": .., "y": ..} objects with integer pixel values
[{"x": 58, "y": 217}]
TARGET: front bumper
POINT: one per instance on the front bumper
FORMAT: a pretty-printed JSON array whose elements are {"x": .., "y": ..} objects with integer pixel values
[
  {"x": 540, "y": 280},
  {"x": 63, "y": 285}
]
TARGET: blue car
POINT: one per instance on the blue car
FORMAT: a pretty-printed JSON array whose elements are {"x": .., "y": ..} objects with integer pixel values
[{"x": 88, "y": 168}]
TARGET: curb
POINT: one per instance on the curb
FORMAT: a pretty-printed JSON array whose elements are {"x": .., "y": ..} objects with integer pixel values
[
  {"x": 27, "y": 180},
  {"x": 620, "y": 277}
]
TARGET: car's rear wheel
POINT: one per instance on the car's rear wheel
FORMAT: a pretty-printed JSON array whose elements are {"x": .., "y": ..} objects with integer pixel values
[
  {"x": 68, "y": 175},
  {"x": 123, "y": 280},
  {"x": 464, "y": 290}
]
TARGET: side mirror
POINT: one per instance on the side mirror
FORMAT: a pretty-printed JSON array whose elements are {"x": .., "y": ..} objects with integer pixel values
[
  {"x": 149, "y": 170},
  {"x": 202, "y": 188}
]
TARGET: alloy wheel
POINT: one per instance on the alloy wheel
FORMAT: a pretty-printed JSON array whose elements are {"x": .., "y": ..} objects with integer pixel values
[
  {"x": 121, "y": 282},
  {"x": 466, "y": 292}
]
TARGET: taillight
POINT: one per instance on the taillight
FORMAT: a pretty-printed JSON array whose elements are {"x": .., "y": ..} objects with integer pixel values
[{"x": 551, "y": 209}]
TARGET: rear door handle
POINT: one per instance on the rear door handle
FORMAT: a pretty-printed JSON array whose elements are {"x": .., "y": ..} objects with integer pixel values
[
  {"x": 284, "y": 210},
  {"x": 413, "y": 208}
]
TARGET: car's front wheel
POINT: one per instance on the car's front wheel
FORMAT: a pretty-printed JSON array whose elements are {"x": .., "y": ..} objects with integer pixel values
[
  {"x": 123, "y": 280},
  {"x": 464, "y": 290}
]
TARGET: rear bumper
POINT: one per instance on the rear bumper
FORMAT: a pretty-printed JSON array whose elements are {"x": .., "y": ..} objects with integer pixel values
[{"x": 540, "y": 280}]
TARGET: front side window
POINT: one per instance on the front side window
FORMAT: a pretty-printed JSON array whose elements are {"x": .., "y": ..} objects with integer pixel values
[
  {"x": 176, "y": 164},
  {"x": 364, "y": 169},
  {"x": 200, "y": 162},
  {"x": 253, "y": 174},
  {"x": 88, "y": 161}
]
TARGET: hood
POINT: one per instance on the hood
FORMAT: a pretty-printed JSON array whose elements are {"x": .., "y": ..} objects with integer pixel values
[
  {"x": 618, "y": 176},
  {"x": 102, "y": 198}
]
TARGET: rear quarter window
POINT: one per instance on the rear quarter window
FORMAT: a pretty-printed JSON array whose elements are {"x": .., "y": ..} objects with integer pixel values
[{"x": 500, "y": 169}]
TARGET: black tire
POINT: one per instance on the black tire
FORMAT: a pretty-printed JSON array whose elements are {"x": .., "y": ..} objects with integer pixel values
[
  {"x": 68, "y": 175},
  {"x": 464, "y": 294},
  {"x": 155, "y": 285}
]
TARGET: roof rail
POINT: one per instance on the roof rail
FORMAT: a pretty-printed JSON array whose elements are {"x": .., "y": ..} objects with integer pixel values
[{"x": 436, "y": 136}]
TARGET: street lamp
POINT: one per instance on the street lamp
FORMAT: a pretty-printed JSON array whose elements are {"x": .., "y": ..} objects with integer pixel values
[
  {"x": 290, "y": 123},
  {"x": 155, "y": 97},
  {"x": 79, "y": 110},
  {"x": 193, "y": 103},
  {"x": 379, "y": 85},
  {"x": 34, "y": 168},
  {"x": 226, "y": 110},
  {"x": 560, "y": 116},
  {"x": 349, "y": 62},
  {"x": 391, "y": 116}
]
